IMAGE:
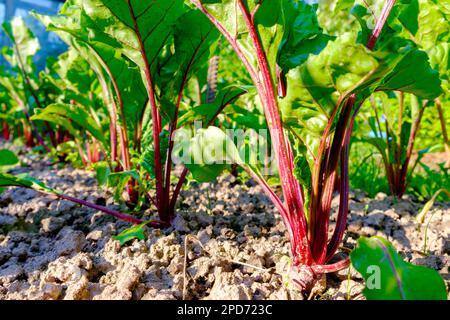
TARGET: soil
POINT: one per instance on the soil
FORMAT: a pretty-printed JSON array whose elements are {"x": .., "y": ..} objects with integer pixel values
[{"x": 227, "y": 242}]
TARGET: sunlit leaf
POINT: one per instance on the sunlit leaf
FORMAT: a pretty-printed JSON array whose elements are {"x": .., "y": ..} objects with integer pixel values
[{"x": 388, "y": 277}]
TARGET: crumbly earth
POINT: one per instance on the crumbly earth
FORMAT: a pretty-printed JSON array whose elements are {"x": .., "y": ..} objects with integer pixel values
[{"x": 227, "y": 242}]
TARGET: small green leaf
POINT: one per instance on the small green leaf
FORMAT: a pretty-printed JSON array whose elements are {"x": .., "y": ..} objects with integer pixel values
[
  {"x": 119, "y": 180},
  {"x": 388, "y": 277},
  {"x": 303, "y": 35},
  {"x": 135, "y": 232},
  {"x": 208, "y": 111},
  {"x": 206, "y": 173},
  {"x": 408, "y": 15},
  {"x": 24, "y": 181},
  {"x": 7, "y": 158},
  {"x": 102, "y": 172},
  {"x": 207, "y": 153}
]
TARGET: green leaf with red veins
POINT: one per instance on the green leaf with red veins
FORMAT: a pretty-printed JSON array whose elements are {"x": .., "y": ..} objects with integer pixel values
[
  {"x": 206, "y": 112},
  {"x": 152, "y": 20},
  {"x": 103, "y": 54},
  {"x": 343, "y": 68},
  {"x": 194, "y": 37},
  {"x": 288, "y": 29}
]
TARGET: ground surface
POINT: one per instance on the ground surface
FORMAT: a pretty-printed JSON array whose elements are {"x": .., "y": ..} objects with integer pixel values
[{"x": 51, "y": 249}]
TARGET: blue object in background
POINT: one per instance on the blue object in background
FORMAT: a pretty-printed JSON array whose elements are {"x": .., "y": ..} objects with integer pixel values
[{"x": 50, "y": 44}]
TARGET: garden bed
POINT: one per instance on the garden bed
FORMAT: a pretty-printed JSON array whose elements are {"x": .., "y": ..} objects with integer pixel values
[{"x": 227, "y": 242}]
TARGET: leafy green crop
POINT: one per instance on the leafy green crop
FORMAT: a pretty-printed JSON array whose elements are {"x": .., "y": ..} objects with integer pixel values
[{"x": 151, "y": 94}]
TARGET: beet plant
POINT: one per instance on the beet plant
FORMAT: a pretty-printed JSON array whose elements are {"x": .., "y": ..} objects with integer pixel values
[
  {"x": 395, "y": 118},
  {"x": 395, "y": 140},
  {"x": 71, "y": 87},
  {"x": 146, "y": 69},
  {"x": 21, "y": 85},
  {"x": 323, "y": 81}
]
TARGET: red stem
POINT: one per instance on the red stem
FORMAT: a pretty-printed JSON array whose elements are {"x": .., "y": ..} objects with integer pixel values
[
  {"x": 110, "y": 212},
  {"x": 321, "y": 208},
  {"x": 172, "y": 128},
  {"x": 33, "y": 94},
  {"x": 401, "y": 187},
  {"x": 341, "y": 220},
  {"x": 329, "y": 268},
  {"x": 156, "y": 118},
  {"x": 380, "y": 24},
  {"x": 35, "y": 129},
  {"x": 6, "y": 132},
  {"x": 291, "y": 189},
  {"x": 177, "y": 190}
]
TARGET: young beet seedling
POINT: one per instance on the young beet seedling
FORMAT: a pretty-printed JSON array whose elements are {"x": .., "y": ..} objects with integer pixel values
[
  {"x": 396, "y": 117},
  {"x": 269, "y": 36},
  {"x": 396, "y": 144}
]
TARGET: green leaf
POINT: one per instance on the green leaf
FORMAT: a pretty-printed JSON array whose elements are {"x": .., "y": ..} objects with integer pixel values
[
  {"x": 303, "y": 35},
  {"x": 65, "y": 114},
  {"x": 7, "y": 159},
  {"x": 207, "y": 153},
  {"x": 434, "y": 24},
  {"x": 408, "y": 13},
  {"x": 208, "y": 111},
  {"x": 147, "y": 159},
  {"x": 288, "y": 29},
  {"x": 302, "y": 172},
  {"x": 25, "y": 43},
  {"x": 194, "y": 36},
  {"x": 118, "y": 181},
  {"x": 154, "y": 21},
  {"x": 103, "y": 53},
  {"x": 413, "y": 74},
  {"x": 206, "y": 173},
  {"x": 24, "y": 181},
  {"x": 102, "y": 172},
  {"x": 135, "y": 232},
  {"x": 360, "y": 13},
  {"x": 388, "y": 277},
  {"x": 345, "y": 67}
]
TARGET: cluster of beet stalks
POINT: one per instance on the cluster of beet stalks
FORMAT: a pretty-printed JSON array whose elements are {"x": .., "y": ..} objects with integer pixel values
[{"x": 310, "y": 247}]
